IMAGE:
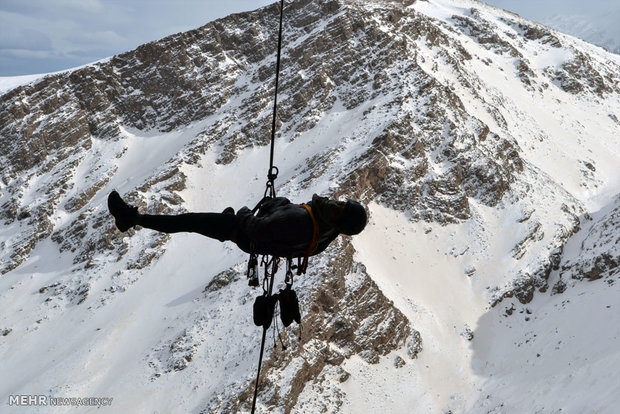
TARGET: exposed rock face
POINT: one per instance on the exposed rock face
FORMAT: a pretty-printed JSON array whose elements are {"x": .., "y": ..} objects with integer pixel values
[
  {"x": 348, "y": 315},
  {"x": 419, "y": 129},
  {"x": 600, "y": 258}
]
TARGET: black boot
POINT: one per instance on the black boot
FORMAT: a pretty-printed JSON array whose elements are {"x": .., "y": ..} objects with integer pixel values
[{"x": 125, "y": 216}]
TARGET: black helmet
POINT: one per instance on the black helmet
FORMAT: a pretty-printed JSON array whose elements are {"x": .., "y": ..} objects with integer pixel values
[{"x": 353, "y": 219}]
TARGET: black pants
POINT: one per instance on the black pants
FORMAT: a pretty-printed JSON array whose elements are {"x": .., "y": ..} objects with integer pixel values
[{"x": 220, "y": 226}]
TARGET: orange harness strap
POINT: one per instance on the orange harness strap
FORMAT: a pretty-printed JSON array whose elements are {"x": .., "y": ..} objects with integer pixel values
[{"x": 303, "y": 263}]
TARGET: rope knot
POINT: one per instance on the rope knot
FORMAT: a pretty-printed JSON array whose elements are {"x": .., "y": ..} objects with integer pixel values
[{"x": 273, "y": 173}]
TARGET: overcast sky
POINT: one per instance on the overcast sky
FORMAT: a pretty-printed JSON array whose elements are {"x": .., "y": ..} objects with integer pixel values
[
  {"x": 40, "y": 36},
  {"x": 553, "y": 7}
]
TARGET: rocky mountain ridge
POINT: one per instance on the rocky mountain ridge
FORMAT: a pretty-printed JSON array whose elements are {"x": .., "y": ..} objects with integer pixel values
[{"x": 446, "y": 112}]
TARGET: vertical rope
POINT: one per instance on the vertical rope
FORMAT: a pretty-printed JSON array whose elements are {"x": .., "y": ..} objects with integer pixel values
[
  {"x": 272, "y": 174},
  {"x": 274, "y": 269}
]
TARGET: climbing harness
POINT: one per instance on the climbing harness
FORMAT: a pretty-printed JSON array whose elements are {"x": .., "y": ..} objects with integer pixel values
[{"x": 302, "y": 264}]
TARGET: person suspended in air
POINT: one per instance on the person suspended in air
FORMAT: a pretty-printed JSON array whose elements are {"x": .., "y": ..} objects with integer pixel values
[{"x": 280, "y": 228}]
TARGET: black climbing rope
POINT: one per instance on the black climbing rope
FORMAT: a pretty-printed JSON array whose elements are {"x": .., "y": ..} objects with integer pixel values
[
  {"x": 269, "y": 277},
  {"x": 272, "y": 174},
  {"x": 270, "y": 192}
]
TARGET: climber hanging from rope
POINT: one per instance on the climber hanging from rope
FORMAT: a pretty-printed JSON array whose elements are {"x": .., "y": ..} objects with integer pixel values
[{"x": 280, "y": 228}]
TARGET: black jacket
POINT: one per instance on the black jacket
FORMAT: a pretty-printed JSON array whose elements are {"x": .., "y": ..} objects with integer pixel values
[{"x": 281, "y": 228}]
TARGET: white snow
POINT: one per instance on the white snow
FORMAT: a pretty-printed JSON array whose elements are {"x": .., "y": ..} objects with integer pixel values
[
  {"x": 558, "y": 353},
  {"x": 11, "y": 82}
]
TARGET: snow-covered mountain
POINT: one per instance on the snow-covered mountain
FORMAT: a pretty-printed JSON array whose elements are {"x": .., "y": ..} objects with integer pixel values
[{"x": 486, "y": 147}]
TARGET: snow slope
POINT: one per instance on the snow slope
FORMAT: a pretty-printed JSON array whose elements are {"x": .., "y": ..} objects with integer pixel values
[{"x": 499, "y": 295}]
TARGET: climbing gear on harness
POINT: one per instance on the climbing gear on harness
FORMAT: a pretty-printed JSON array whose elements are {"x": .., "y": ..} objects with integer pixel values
[
  {"x": 253, "y": 271},
  {"x": 264, "y": 307},
  {"x": 289, "y": 306},
  {"x": 287, "y": 298}
]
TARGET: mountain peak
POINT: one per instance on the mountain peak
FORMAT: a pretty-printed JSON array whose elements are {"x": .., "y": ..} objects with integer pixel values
[{"x": 484, "y": 145}]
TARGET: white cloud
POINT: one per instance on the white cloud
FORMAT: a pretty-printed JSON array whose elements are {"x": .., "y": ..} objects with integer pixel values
[
  {"x": 90, "y": 6},
  {"x": 27, "y": 53},
  {"x": 27, "y": 39},
  {"x": 95, "y": 39},
  {"x": 51, "y": 8}
]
